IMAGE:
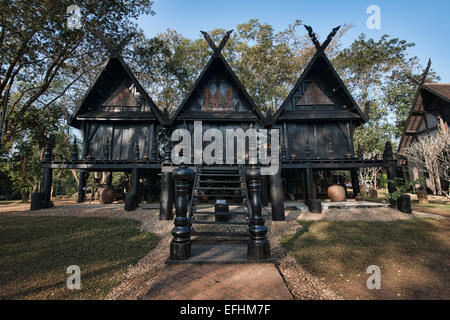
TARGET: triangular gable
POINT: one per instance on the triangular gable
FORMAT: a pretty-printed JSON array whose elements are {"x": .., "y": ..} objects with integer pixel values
[
  {"x": 314, "y": 96},
  {"x": 416, "y": 113},
  {"x": 121, "y": 97},
  {"x": 320, "y": 69},
  {"x": 112, "y": 88},
  {"x": 218, "y": 92}
]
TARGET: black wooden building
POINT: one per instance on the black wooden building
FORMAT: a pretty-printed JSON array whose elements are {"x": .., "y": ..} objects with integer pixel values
[{"x": 123, "y": 130}]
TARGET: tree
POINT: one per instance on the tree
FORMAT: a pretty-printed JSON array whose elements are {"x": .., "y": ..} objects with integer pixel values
[
  {"x": 45, "y": 68},
  {"x": 430, "y": 154},
  {"x": 41, "y": 58},
  {"x": 374, "y": 71}
]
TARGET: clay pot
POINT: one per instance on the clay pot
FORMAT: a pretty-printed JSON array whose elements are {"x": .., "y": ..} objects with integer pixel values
[
  {"x": 336, "y": 193},
  {"x": 422, "y": 196},
  {"x": 373, "y": 193},
  {"x": 106, "y": 195}
]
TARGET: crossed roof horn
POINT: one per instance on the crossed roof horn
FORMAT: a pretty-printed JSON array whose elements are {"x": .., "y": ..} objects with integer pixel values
[
  {"x": 324, "y": 45},
  {"x": 424, "y": 75},
  {"x": 114, "y": 51},
  {"x": 217, "y": 49}
]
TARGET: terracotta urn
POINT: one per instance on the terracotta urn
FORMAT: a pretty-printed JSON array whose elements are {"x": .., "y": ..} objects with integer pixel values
[
  {"x": 106, "y": 195},
  {"x": 336, "y": 193}
]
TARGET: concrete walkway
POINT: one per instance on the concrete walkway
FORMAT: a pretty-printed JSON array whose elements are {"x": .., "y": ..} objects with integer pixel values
[{"x": 254, "y": 281}]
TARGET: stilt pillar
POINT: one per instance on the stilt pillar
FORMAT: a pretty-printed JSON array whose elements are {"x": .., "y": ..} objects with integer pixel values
[
  {"x": 166, "y": 198},
  {"x": 277, "y": 196},
  {"x": 47, "y": 176},
  {"x": 391, "y": 169},
  {"x": 355, "y": 184},
  {"x": 82, "y": 186},
  {"x": 309, "y": 185}
]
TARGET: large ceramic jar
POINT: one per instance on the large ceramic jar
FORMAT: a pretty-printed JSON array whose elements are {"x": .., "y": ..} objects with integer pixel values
[{"x": 336, "y": 193}]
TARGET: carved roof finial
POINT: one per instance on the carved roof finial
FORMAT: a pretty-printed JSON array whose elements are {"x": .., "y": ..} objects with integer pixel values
[
  {"x": 324, "y": 45},
  {"x": 217, "y": 50},
  {"x": 313, "y": 37},
  {"x": 114, "y": 51}
]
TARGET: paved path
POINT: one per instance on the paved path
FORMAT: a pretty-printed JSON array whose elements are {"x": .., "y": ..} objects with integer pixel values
[{"x": 253, "y": 281}]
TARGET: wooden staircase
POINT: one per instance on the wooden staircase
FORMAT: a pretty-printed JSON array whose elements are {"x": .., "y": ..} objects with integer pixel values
[{"x": 213, "y": 183}]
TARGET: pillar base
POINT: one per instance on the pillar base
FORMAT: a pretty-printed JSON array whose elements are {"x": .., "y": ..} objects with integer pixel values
[
  {"x": 258, "y": 249},
  {"x": 180, "y": 250},
  {"x": 315, "y": 205},
  {"x": 130, "y": 202},
  {"x": 37, "y": 201}
]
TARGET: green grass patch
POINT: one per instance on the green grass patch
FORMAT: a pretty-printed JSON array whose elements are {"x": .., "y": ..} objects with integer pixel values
[
  {"x": 413, "y": 255},
  {"x": 36, "y": 251},
  {"x": 431, "y": 207}
]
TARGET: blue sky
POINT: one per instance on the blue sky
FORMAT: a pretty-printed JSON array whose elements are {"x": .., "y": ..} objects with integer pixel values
[{"x": 426, "y": 23}]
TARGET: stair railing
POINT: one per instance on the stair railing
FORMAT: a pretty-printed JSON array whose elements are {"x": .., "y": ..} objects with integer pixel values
[
  {"x": 244, "y": 184},
  {"x": 192, "y": 202}
]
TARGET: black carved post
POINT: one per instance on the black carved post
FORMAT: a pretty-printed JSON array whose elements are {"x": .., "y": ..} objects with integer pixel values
[
  {"x": 166, "y": 198},
  {"x": 277, "y": 196},
  {"x": 355, "y": 184},
  {"x": 106, "y": 151},
  {"x": 258, "y": 245},
  {"x": 74, "y": 150},
  {"x": 309, "y": 185},
  {"x": 82, "y": 185},
  {"x": 136, "y": 152},
  {"x": 388, "y": 157},
  {"x": 180, "y": 247},
  {"x": 135, "y": 183},
  {"x": 47, "y": 173}
]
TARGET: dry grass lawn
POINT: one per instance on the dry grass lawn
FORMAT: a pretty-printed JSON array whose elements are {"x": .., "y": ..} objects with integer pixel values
[
  {"x": 414, "y": 256},
  {"x": 36, "y": 251}
]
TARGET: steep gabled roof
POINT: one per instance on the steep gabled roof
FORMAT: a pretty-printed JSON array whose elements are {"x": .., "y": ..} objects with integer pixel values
[
  {"x": 425, "y": 93},
  {"x": 114, "y": 74},
  {"x": 320, "y": 60},
  {"x": 215, "y": 63}
]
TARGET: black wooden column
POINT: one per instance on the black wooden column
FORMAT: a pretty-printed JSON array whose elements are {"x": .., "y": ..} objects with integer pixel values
[
  {"x": 82, "y": 185},
  {"x": 166, "y": 198},
  {"x": 277, "y": 196},
  {"x": 47, "y": 176},
  {"x": 391, "y": 169},
  {"x": 180, "y": 247},
  {"x": 309, "y": 185},
  {"x": 258, "y": 245},
  {"x": 355, "y": 184},
  {"x": 135, "y": 181}
]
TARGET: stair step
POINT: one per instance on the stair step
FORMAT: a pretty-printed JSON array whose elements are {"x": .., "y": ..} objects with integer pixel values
[
  {"x": 220, "y": 234},
  {"x": 219, "y": 175},
  {"x": 219, "y": 195},
  {"x": 218, "y": 188},
  {"x": 219, "y": 181},
  {"x": 221, "y": 223},
  {"x": 221, "y": 213}
]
